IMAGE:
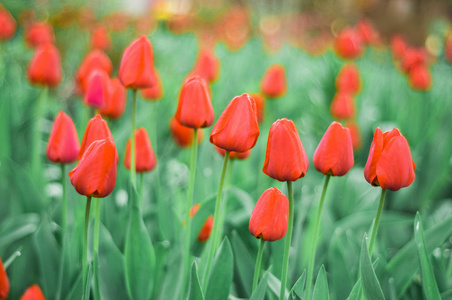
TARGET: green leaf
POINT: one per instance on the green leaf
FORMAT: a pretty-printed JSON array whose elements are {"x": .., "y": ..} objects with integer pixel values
[
  {"x": 428, "y": 278},
  {"x": 75, "y": 293},
  {"x": 321, "y": 286},
  {"x": 244, "y": 262},
  {"x": 298, "y": 287},
  {"x": 275, "y": 284},
  {"x": 370, "y": 281},
  {"x": 220, "y": 278},
  {"x": 354, "y": 294},
  {"x": 195, "y": 292},
  {"x": 259, "y": 293},
  {"x": 17, "y": 228},
  {"x": 87, "y": 290}
]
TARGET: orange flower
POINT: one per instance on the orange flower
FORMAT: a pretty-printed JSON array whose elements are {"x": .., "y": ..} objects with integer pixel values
[
  {"x": 234, "y": 155},
  {"x": 355, "y": 134},
  {"x": 398, "y": 46},
  {"x": 237, "y": 128},
  {"x": 334, "y": 154},
  {"x": 33, "y": 293},
  {"x": 274, "y": 83},
  {"x": 285, "y": 159},
  {"x": 63, "y": 146},
  {"x": 155, "y": 92},
  {"x": 207, "y": 65},
  {"x": 343, "y": 106},
  {"x": 270, "y": 216},
  {"x": 7, "y": 24},
  {"x": 145, "y": 160},
  {"x": 96, "y": 59},
  {"x": 348, "y": 44},
  {"x": 97, "y": 129},
  {"x": 100, "y": 39},
  {"x": 260, "y": 106},
  {"x": 137, "y": 65},
  {"x": 4, "y": 282},
  {"x": 389, "y": 164},
  {"x": 39, "y": 33},
  {"x": 348, "y": 79},
  {"x": 182, "y": 135},
  {"x": 116, "y": 101},
  {"x": 97, "y": 89},
  {"x": 206, "y": 230},
  {"x": 420, "y": 78},
  {"x": 45, "y": 66},
  {"x": 195, "y": 109},
  {"x": 95, "y": 174}
]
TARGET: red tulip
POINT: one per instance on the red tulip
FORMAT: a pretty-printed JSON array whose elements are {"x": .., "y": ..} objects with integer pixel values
[
  {"x": 355, "y": 133},
  {"x": 348, "y": 44},
  {"x": 182, "y": 135},
  {"x": 116, "y": 101},
  {"x": 349, "y": 80},
  {"x": 270, "y": 216},
  {"x": 137, "y": 65},
  {"x": 398, "y": 46},
  {"x": 95, "y": 174},
  {"x": 39, "y": 33},
  {"x": 97, "y": 89},
  {"x": 195, "y": 109},
  {"x": 448, "y": 48},
  {"x": 145, "y": 160},
  {"x": 100, "y": 39},
  {"x": 33, "y": 293},
  {"x": 420, "y": 78},
  {"x": 96, "y": 59},
  {"x": 389, "y": 164},
  {"x": 334, "y": 154},
  {"x": 206, "y": 230},
  {"x": 155, "y": 92},
  {"x": 97, "y": 129},
  {"x": 274, "y": 83},
  {"x": 207, "y": 65},
  {"x": 45, "y": 66},
  {"x": 4, "y": 282},
  {"x": 234, "y": 155},
  {"x": 63, "y": 146},
  {"x": 367, "y": 32},
  {"x": 413, "y": 58},
  {"x": 194, "y": 209},
  {"x": 7, "y": 26},
  {"x": 260, "y": 106},
  {"x": 343, "y": 106},
  {"x": 237, "y": 128}
]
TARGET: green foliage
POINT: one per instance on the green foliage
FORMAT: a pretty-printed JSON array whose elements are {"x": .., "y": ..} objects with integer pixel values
[
  {"x": 195, "y": 292},
  {"x": 370, "y": 283},
  {"x": 220, "y": 277}
]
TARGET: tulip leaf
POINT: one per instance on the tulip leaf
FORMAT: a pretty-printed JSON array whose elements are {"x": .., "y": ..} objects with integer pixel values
[
  {"x": 321, "y": 286},
  {"x": 259, "y": 293},
  {"x": 220, "y": 278},
  {"x": 75, "y": 293},
  {"x": 357, "y": 288},
  {"x": 298, "y": 287},
  {"x": 244, "y": 262},
  {"x": 16, "y": 228},
  {"x": 275, "y": 284},
  {"x": 371, "y": 286},
  {"x": 428, "y": 278},
  {"x": 87, "y": 287},
  {"x": 195, "y": 292}
]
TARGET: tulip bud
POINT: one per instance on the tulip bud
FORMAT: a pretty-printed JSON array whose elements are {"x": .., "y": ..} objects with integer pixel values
[
  {"x": 343, "y": 106},
  {"x": 355, "y": 133},
  {"x": 95, "y": 174},
  {"x": 448, "y": 48},
  {"x": 45, "y": 66},
  {"x": 4, "y": 282},
  {"x": 237, "y": 128},
  {"x": 96, "y": 59},
  {"x": 398, "y": 47},
  {"x": 7, "y": 26},
  {"x": 195, "y": 109},
  {"x": 116, "y": 101},
  {"x": 270, "y": 216},
  {"x": 207, "y": 65},
  {"x": 63, "y": 146},
  {"x": 144, "y": 155},
  {"x": 413, "y": 58},
  {"x": 285, "y": 159},
  {"x": 155, "y": 92},
  {"x": 194, "y": 209},
  {"x": 274, "y": 83},
  {"x": 100, "y": 39},
  {"x": 260, "y": 106},
  {"x": 182, "y": 135},
  {"x": 420, "y": 78},
  {"x": 39, "y": 33},
  {"x": 367, "y": 32},
  {"x": 389, "y": 164},
  {"x": 33, "y": 293},
  {"x": 348, "y": 44},
  {"x": 348, "y": 80},
  {"x": 233, "y": 154},
  {"x": 97, "y": 129},
  {"x": 97, "y": 89},
  {"x": 206, "y": 230},
  {"x": 137, "y": 65}
]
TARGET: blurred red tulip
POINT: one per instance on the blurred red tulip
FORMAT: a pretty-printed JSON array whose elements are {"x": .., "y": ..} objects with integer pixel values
[
  {"x": 95, "y": 174},
  {"x": 343, "y": 106},
  {"x": 116, "y": 101},
  {"x": 420, "y": 78},
  {"x": 389, "y": 164},
  {"x": 96, "y": 59},
  {"x": 285, "y": 158},
  {"x": 33, "y": 293},
  {"x": 237, "y": 129},
  {"x": 97, "y": 89},
  {"x": 260, "y": 106},
  {"x": 4, "y": 282},
  {"x": 194, "y": 209},
  {"x": 7, "y": 24},
  {"x": 182, "y": 135},
  {"x": 412, "y": 58},
  {"x": 39, "y": 33},
  {"x": 398, "y": 46},
  {"x": 207, "y": 65},
  {"x": 234, "y": 155},
  {"x": 270, "y": 216},
  {"x": 349, "y": 79},
  {"x": 155, "y": 92},
  {"x": 206, "y": 230},
  {"x": 63, "y": 146},
  {"x": 44, "y": 68},
  {"x": 97, "y": 129},
  {"x": 348, "y": 44},
  {"x": 274, "y": 83},
  {"x": 117, "y": 21},
  {"x": 145, "y": 160},
  {"x": 355, "y": 134},
  {"x": 100, "y": 39},
  {"x": 367, "y": 32},
  {"x": 448, "y": 47}
]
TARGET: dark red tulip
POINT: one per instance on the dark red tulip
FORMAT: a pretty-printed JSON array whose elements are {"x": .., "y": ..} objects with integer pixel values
[
  {"x": 413, "y": 58},
  {"x": 145, "y": 160},
  {"x": 97, "y": 129},
  {"x": 95, "y": 174},
  {"x": 260, "y": 106},
  {"x": 39, "y": 33},
  {"x": 63, "y": 146},
  {"x": 349, "y": 80},
  {"x": 389, "y": 164},
  {"x": 334, "y": 154},
  {"x": 195, "y": 109},
  {"x": 355, "y": 134},
  {"x": 137, "y": 65},
  {"x": 274, "y": 83},
  {"x": 100, "y": 39},
  {"x": 45, "y": 66},
  {"x": 348, "y": 44},
  {"x": 285, "y": 159},
  {"x": 96, "y": 59},
  {"x": 234, "y": 155},
  {"x": 97, "y": 89},
  {"x": 420, "y": 78},
  {"x": 398, "y": 46},
  {"x": 116, "y": 101},
  {"x": 33, "y": 293},
  {"x": 155, "y": 92},
  {"x": 182, "y": 135},
  {"x": 4, "y": 282},
  {"x": 207, "y": 65},
  {"x": 7, "y": 24},
  {"x": 206, "y": 230},
  {"x": 270, "y": 216},
  {"x": 343, "y": 106},
  {"x": 237, "y": 128}
]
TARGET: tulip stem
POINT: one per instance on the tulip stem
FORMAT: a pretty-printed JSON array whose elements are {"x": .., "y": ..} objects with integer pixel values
[
  {"x": 224, "y": 205},
  {"x": 85, "y": 244},
  {"x": 12, "y": 258},
  {"x": 132, "y": 143},
  {"x": 314, "y": 240},
  {"x": 216, "y": 222},
  {"x": 191, "y": 189},
  {"x": 63, "y": 229},
  {"x": 257, "y": 268},
  {"x": 36, "y": 164},
  {"x": 377, "y": 221},
  {"x": 285, "y": 265},
  {"x": 96, "y": 251}
]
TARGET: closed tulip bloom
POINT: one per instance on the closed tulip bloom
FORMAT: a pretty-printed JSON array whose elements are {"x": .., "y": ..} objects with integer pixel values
[
  {"x": 234, "y": 155},
  {"x": 349, "y": 79},
  {"x": 237, "y": 128},
  {"x": 260, "y": 106},
  {"x": 96, "y": 59},
  {"x": 95, "y": 174},
  {"x": 97, "y": 129},
  {"x": 367, "y": 32},
  {"x": 39, "y": 33},
  {"x": 182, "y": 135},
  {"x": 206, "y": 230},
  {"x": 420, "y": 78},
  {"x": 97, "y": 89},
  {"x": 45, "y": 66},
  {"x": 285, "y": 158},
  {"x": 207, "y": 65},
  {"x": 144, "y": 155},
  {"x": 389, "y": 164},
  {"x": 155, "y": 92},
  {"x": 137, "y": 65},
  {"x": 270, "y": 216},
  {"x": 348, "y": 44},
  {"x": 274, "y": 83},
  {"x": 100, "y": 39},
  {"x": 63, "y": 146},
  {"x": 33, "y": 293},
  {"x": 355, "y": 133},
  {"x": 116, "y": 101},
  {"x": 4, "y": 282},
  {"x": 343, "y": 106},
  {"x": 195, "y": 109},
  {"x": 413, "y": 58},
  {"x": 194, "y": 209},
  {"x": 334, "y": 154},
  {"x": 448, "y": 48},
  {"x": 7, "y": 24},
  {"x": 398, "y": 46}
]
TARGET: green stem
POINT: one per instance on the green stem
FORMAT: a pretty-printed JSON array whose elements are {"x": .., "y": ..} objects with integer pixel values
[
  {"x": 314, "y": 240},
  {"x": 224, "y": 205},
  {"x": 96, "y": 251},
  {"x": 285, "y": 265},
  {"x": 257, "y": 268},
  {"x": 191, "y": 189},
  {"x": 63, "y": 230},
  {"x": 377, "y": 221},
  {"x": 132, "y": 143},
  {"x": 216, "y": 221},
  {"x": 10, "y": 260},
  {"x": 85, "y": 243},
  {"x": 36, "y": 164}
]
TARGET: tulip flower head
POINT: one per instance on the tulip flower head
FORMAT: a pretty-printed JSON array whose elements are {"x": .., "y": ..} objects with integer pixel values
[
  {"x": 144, "y": 155},
  {"x": 206, "y": 230},
  {"x": 260, "y": 106},
  {"x": 285, "y": 158},
  {"x": 398, "y": 47},
  {"x": 7, "y": 24},
  {"x": 98, "y": 89},
  {"x": 420, "y": 78},
  {"x": 343, "y": 106},
  {"x": 349, "y": 80},
  {"x": 389, "y": 164},
  {"x": 116, "y": 101},
  {"x": 155, "y": 92},
  {"x": 348, "y": 44},
  {"x": 4, "y": 282},
  {"x": 182, "y": 135},
  {"x": 270, "y": 216},
  {"x": 33, "y": 293},
  {"x": 63, "y": 146},
  {"x": 234, "y": 155},
  {"x": 97, "y": 129},
  {"x": 39, "y": 33},
  {"x": 207, "y": 65},
  {"x": 96, "y": 59},
  {"x": 100, "y": 39},
  {"x": 413, "y": 58},
  {"x": 274, "y": 82},
  {"x": 448, "y": 48},
  {"x": 45, "y": 66},
  {"x": 355, "y": 133},
  {"x": 367, "y": 32}
]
